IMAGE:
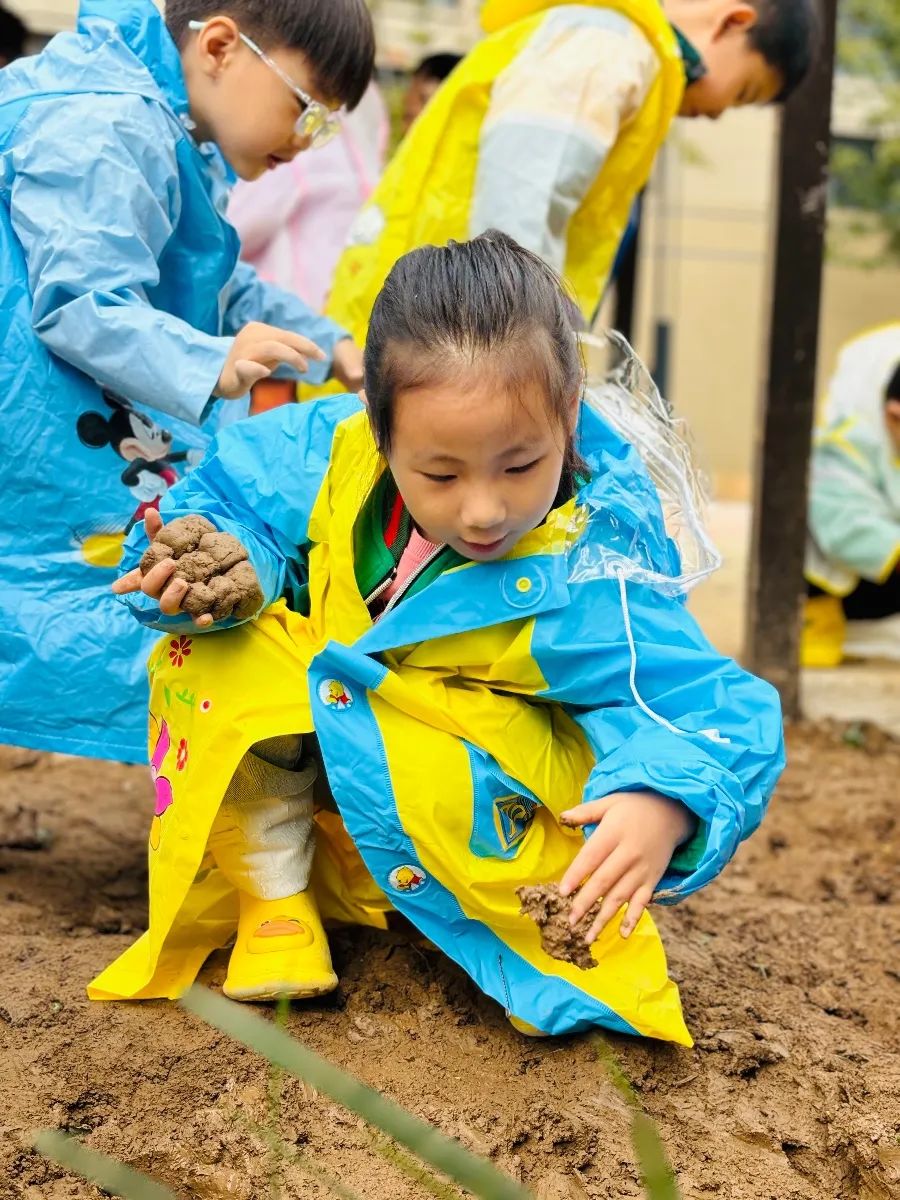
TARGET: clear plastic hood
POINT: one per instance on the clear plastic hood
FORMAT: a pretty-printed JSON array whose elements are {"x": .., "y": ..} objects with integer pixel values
[{"x": 619, "y": 387}]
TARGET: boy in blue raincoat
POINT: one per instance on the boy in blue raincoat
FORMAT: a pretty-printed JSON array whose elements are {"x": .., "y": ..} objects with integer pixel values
[
  {"x": 461, "y": 598},
  {"x": 129, "y": 331}
]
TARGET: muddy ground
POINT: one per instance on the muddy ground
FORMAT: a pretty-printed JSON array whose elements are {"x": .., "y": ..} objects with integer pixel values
[{"x": 789, "y": 968}]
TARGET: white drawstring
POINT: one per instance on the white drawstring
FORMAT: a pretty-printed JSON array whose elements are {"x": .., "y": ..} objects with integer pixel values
[{"x": 712, "y": 734}]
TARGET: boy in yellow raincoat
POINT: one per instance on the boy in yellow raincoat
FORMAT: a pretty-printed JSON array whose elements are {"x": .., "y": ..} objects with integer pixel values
[
  {"x": 464, "y": 593},
  {"x": 549, "y": 128}
]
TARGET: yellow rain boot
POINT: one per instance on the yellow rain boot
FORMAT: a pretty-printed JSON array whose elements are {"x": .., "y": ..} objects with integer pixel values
[
  {"x": 525, "y": 1028},
  {"x": 824, "y": 629},
  {"x": 281, "y": 950}
]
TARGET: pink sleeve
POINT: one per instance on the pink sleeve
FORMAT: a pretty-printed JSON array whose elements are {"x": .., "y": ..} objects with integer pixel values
[{"x": 258, "y": 210}]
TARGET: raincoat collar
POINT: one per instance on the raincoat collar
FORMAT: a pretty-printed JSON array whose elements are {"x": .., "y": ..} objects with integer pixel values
[
  {"x": 694, "y": 66},
  {"x": 143, "y": 30}
]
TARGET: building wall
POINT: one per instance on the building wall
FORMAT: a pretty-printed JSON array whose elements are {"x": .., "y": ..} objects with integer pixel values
[
  {"x": 704, "y": 268},
  {"x": 407, "y": 29},
  {"x": 45, "y": 16}
]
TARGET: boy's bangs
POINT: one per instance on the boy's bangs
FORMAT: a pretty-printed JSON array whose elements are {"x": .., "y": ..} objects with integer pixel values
[
  {"x": 335, "y": 35},
  {"x": 337, "y": 38}
]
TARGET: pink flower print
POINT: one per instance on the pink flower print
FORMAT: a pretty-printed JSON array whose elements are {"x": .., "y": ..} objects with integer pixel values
[
  {"x": 182, "y": 756},
  {"x": 164, "y": 796},
  {"x": 179, "y": 649}
]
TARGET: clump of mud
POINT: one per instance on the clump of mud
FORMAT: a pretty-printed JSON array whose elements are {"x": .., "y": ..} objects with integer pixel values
[
  {"x": 551, "y": 911},
  {"x": 222, "y": 581}
]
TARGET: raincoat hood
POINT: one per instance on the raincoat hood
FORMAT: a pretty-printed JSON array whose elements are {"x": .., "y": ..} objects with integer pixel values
[
  {"x": 864, "y": 369},
  {"x": 497, "y": 14},
  {"x": 142, "y": 31}
]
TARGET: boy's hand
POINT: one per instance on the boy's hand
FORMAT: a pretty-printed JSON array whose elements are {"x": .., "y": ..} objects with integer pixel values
[
  {"x": 347, "y": 364},
  {"x": 626, "y": 856},
  {"x": 192, "y": 567},
  {"x": 257, "y": 350}
]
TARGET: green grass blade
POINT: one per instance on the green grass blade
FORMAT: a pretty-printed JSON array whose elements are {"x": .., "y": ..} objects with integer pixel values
[
  {"x": 111, "y": 1176},
  {"x": 615, "y": 1073},
  {"x": 657, "y": 1174},
  {"x": 292, "y": 1156},
  {"x": 414, "y": 1170},
  {"x": 276, "y": 1076},
  {"x": 444, "y": 1154}
]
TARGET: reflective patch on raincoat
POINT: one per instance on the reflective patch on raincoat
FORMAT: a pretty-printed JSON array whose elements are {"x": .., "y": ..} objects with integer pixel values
[{"x": 121, "y": 290}]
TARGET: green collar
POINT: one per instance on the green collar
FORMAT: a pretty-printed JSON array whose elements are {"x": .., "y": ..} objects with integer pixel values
[
  {"x": 694, "y": 66},
  {"x": 381, "y": 535}
]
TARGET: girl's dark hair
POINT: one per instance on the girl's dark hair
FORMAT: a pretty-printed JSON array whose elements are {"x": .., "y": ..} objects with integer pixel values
[
  {"x": 892, "y": 391},
  {"x": 335, "y": 35},
  {"x": 488, "y": 303}
]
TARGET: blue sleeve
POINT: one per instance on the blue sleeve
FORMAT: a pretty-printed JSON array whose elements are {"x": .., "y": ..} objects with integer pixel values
[
  {"x": 94, "y": 201},
  {"x": 714, "y": 741},
  {"x": 258, "y": 482},
  {"x": 251, "y": 299}
]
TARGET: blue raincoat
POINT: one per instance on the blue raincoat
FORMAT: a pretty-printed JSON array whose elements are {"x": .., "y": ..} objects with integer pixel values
[
  {"x": 120, "y": 290},
  {"x": 456, "y": 729}
]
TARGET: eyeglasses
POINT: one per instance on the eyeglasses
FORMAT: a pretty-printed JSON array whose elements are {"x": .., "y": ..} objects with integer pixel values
[{"x": 316, "y": 122}]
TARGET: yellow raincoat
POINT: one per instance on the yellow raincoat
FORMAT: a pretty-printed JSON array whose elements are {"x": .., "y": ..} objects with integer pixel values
[
  {"x": 428, "y": 193},
  {"x": 454, "y": 731}
]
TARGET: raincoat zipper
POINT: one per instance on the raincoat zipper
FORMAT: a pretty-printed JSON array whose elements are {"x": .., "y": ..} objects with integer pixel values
[{"x": 407, "y": 584}]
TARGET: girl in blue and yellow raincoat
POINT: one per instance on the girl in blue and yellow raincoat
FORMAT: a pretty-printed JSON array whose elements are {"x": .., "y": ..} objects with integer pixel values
[{"x": 526, "y": 679}]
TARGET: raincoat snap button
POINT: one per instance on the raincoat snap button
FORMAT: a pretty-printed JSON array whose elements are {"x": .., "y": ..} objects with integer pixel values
[
  {"x": 523, "y": 590},
  {"x": 335, "y": 695},
  {"x": 407, "y": 878}
]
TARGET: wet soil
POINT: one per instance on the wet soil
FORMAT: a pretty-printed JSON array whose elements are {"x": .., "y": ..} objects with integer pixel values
[{"x": 789, "y": 968}]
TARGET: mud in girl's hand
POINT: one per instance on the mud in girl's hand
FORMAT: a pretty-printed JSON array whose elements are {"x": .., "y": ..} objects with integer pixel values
[
  {"x": 191, "y": 567},
  {"x": 625, "y": 857}
]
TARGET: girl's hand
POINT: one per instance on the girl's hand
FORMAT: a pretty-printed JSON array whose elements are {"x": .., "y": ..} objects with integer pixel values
[
  {"x": 626, "y": 856},
  {"x": 220, "y": 581},
  {"x": 157, "y": 583}
]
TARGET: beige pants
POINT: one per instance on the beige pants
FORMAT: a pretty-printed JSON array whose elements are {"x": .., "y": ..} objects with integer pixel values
[{"x": 262, "y": 839}]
